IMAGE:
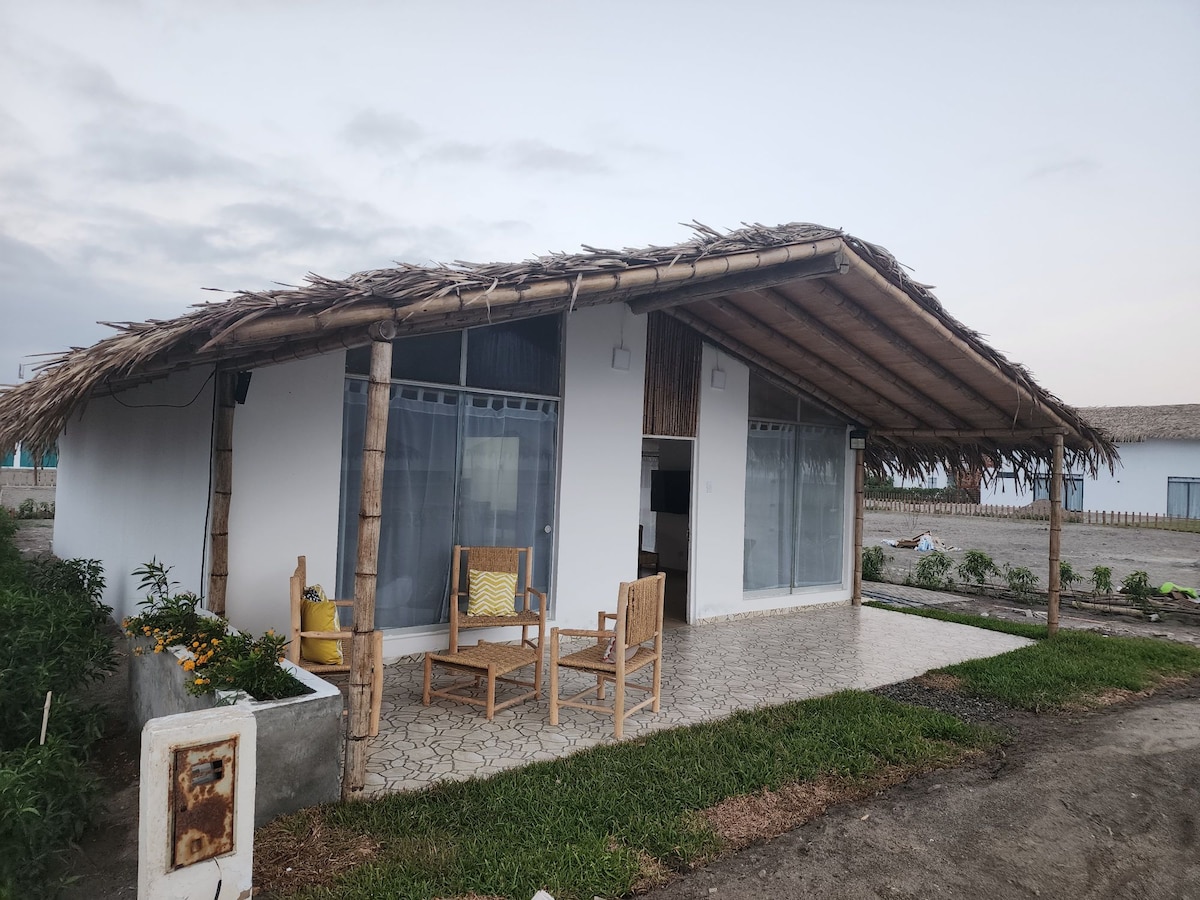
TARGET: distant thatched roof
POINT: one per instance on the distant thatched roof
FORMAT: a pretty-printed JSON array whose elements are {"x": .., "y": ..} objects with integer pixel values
[
  {"x": 1133, "y": 424},
  {"x": 814, "y": 308}
]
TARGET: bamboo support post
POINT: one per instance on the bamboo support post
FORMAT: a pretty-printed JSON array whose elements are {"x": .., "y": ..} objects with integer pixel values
[
  {"x": 358, "y": 723},
  {"x": 222, "y": 492},
  {"x": 856, "y": 594},
  {"x": 1056, "y": 485}
]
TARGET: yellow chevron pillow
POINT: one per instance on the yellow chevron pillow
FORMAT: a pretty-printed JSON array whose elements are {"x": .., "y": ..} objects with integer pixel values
[{"x": 491, "y": 593}]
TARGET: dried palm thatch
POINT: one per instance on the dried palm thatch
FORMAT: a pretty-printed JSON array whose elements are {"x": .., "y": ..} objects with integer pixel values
[
  {"x": 851, "y": 329},
  {"x": 1134, "y": 424}
]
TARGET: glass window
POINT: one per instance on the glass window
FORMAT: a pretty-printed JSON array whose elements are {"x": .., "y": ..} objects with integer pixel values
[
  {"x": 9, "y": 458},
  {"x": 795, "y": 496},
  {"x": 1072, "y": 498},
  {"x": 522, "y": 357},
  {"x": 769, "y": 401},
  {"x": 424, "y": 357},
  {"x": 770, "y": 505},
  {"x": 1183, "y": 498},
  {"x": 460, "y": 468}
]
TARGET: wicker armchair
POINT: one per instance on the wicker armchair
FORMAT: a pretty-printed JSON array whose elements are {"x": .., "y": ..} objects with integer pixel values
[
  {"x": 299, "y": 581},
  {"x": 639, "y": 621},
  {"x": 492, "y": 662}
]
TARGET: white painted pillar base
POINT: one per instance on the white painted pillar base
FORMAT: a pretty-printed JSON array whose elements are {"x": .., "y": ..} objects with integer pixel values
[{"x": 233, "y": 871}]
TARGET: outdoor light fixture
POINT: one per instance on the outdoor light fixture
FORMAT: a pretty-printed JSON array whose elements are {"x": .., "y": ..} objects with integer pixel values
[
  {"x": 242, "y": 388},
  {"x": 858, "y": 439},
  {"x": 718, "y": 379},
  {"x": 621, "y": 359}
]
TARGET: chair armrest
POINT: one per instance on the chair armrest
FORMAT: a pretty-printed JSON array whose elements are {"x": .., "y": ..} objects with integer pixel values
[
  {"x": 581, "y": 632},
  {"x": 327, "y": 635}
]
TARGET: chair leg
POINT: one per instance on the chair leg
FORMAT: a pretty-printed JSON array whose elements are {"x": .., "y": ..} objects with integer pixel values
[
  {"x": 657, "y": 684},
  {"x": 491, "y": 693},
  {"x": 428, "y": 676},
  {"x": 599, "y": 687},
  {"x": 619, "y": 706},
  {"x": 553, "y": 679}
]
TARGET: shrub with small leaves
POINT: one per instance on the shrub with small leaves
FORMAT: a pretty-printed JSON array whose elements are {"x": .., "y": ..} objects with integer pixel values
[
  {"x": 1067, "y": 575},
  {"x": 933, "y": 570},
  {"x": 1136, "y": 585},
  {"x": 977, "y": 568},
  {"x": 873, "y": 561},
  {"x": 1019, "y": 579},
  {"x": 1102, "y": 579}
]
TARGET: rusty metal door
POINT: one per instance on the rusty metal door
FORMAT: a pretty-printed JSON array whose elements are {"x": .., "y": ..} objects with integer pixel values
[{"x": 202, "y": 796}]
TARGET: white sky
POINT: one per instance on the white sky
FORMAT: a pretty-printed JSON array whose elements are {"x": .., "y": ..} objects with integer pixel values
[{"x": 1036, "y": 162}]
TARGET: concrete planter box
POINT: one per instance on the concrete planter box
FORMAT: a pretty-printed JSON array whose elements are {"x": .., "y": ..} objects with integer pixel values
[{"x": 298, "y": 738}]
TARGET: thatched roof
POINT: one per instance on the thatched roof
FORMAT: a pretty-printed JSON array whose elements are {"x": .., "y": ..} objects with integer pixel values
[
  {"x": 1133, "y": 424},
  {"x": 814, "y": 308}
]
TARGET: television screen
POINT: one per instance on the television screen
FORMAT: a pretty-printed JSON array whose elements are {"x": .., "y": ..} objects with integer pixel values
[{"x": 670, "y": 491}]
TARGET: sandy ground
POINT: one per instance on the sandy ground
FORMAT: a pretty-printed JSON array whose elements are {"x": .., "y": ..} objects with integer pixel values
[
  {"x": 1164, "y": 555},
  {"x": 1103, "y": 805}
]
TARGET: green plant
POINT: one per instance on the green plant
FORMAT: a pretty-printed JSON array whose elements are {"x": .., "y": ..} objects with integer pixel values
[
  {"x": 31, "y": 509},
  {"x": 239, "y": 662},
  {"x": 1102, "y": 579},
  {"x": 1067, "y": 575},
  {"x": 219, "y": 659},
  {"x": 1020, "y": 580},
  {"x": 873, "y": 561},
  {"x": 47, "y": 796},
  {"x": 933, "y": 571},
  {"x": 1137, "y": 586},
  {"x": 977, "y": 567}
]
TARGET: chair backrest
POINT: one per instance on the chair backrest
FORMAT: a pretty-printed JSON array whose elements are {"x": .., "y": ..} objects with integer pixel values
[
  {"x": 518, "y": 560},
  {"x": 640, "y": 608}
]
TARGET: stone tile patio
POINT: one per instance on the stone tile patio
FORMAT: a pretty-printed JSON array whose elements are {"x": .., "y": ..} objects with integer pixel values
[{"x": 710, "y": 671}]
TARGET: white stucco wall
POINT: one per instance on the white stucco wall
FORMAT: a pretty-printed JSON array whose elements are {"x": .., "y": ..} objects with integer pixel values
[
  {"x": 1138, "y": 486},
  {"x": 600, "y": 469},
  {"x": 719, "y": 491},
  {"x": 133, "y": 483},
  {"x": 287, "y": 458}
]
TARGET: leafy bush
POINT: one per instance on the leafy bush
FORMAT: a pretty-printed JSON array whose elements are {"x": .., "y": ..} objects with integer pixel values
[
  {"x": 1067, "y": 575},
  {"x": 873, "y": 561},
  {"x": 933, "y": 570},
  {"x": 977, "y": 567},
  {"x": 46, "y": 800},
  {"x": 220, "y": 659},
  {"x": 31, "y": 509},
  {"x": 1102, "y": 579},
  {"x": 1137, "y": 586},
  {"x": 1020, "y": 579}
]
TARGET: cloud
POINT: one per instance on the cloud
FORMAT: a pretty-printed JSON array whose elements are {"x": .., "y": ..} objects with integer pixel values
[
  {"x": 538, "y": 156},
  {"x": 147, "y": 155},
  {"x": 1083, "y": 165},
  {"x": 381, "y": 132}
]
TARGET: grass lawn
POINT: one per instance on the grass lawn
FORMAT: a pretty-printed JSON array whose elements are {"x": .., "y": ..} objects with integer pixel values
[
  {"x": 604, "y": 820},
  {"x": 1076, "y": 668},
  {"x": 615, "y": 818}
]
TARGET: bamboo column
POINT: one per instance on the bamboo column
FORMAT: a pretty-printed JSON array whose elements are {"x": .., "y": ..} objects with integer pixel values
[
  {"x": 856, "y": 586},
  {"x": 1056, "y": 479},
  {"x": 222, "y": 492},
  {"x": 358, "y": 723}
]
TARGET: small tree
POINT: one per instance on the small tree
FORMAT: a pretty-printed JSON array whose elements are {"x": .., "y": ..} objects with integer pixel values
[{"x": 977, "y": 568}]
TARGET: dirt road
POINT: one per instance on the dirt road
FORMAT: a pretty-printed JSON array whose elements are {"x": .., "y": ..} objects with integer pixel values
[
  {"x": 1103, "y": 806},
  {"x": 1164, "y": 555}
]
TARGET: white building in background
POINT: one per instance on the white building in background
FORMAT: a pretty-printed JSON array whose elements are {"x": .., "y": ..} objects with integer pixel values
[{"x": 1159, "y": 472}]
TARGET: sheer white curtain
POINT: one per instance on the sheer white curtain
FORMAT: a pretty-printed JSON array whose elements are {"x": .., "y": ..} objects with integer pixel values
[
  {"x": 822, "y": 499},
  {"x": 417, "y": 531},
  {"x": 770, "y": 510},
  {"x": 506, "y": 492}
]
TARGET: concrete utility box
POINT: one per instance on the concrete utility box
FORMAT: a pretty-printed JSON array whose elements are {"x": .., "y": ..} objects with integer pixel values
[{"x": 196, "y": 825}]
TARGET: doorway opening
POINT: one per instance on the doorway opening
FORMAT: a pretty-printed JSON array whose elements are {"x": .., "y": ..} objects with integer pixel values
[{"x": 665, "y": 521}]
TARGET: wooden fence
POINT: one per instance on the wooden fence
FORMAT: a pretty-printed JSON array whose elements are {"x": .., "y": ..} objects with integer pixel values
[{"x": 1039, "y": 511}]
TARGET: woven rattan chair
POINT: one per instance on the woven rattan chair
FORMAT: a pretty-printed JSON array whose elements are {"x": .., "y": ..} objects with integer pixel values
[
  {"x": 299, "y": 581},
  {"x": 639, "y": 621},
  {"x": 488, "y": 661}
]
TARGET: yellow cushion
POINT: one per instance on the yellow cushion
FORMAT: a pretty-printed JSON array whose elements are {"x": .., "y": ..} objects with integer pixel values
[
  {"x": 491, "y": 593},
  {"x": 319, "y": 615}
]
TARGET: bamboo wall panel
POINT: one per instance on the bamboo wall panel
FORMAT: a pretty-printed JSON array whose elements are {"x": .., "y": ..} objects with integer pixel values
[{"x": 672, "y": 400}]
